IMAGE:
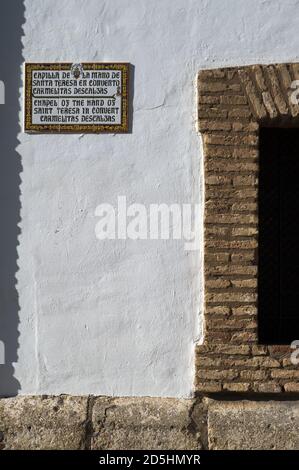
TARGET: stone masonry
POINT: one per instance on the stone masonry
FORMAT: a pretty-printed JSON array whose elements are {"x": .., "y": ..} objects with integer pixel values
[
  {"x": 232, "y": 104},
  {"x": 106, "y": 423}
]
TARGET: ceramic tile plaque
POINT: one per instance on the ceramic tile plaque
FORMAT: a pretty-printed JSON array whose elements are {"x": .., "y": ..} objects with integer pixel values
[{"x": 76, "y": 97}]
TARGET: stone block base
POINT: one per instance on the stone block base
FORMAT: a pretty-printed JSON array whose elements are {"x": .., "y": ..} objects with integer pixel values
[
  {"x": 253, "y": 425},
  {"x": 103, "y": 423}
]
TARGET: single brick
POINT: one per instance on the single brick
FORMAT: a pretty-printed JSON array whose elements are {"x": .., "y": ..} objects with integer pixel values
[
  {"x": 217, "y": 283},
  {"x": 241, "y": 152},
  {"x": 230, "y": 192},
  {"x": 212, "y": 112},
  {"x": 217, "y": 257},
  {"x": 266, "y": 387},
  {"x": 250, "y": 126},
  {"x": 204, "y": 362},
  {"x": 291, "y": 387},
  {"x": 232, "y": 151},
  {"x": 217, "y": 336},
  {"x": 244, "y": 337},
  {"x": 211, "y": 73},
  {"x": 246, "y": 310},
  {"x": 245, "y": 193},
  {"x": 235, "y": 87},
  {"x": 214, "y": 125},
  {"x": 259, "y": 77},
  {"x": 218, "y": 180},
  {"x": 244, "y": 207},
  {"x": 242, "y": 350},
  {"x": 232, "y": 219},
  {"x": 265, "y": 362},
  {"x": 285, "y": 76},
  {"x": 244, "y": 283},
  {"x": 232, "y": 244},
  {"x": 236, "y": 387},
  {"x": 244, "y": 231},
  {"x": 258, "y": 350},
  {"x": 286, "y": 81},
  {"x": 218, "y": 231},
  {"x": 231, "y": 269},
  {"x": 228, "y": 138},
  {"x": 208, "y": 99},
  {"x": 240, "y": 112},
  {"x": 217, "y": 310},
  {"x": 276, "y": 90},
  {"x": 244, "y": 257},
  {"x": 224, "y": 374},
  {"x": 231, "y": 73},
  {"x": 245, "y": 181},
  {"x": 253, "y": 375},
  {"x": 214, "y": 151},
  {"x": 233, "y": 99},
  {"x": 231, "y": 323},
  {"x": 253, "y": 94},
  {"x": 295, "y": 70},
  {"x": 269, "y": 104},
  {"x": 220, "y": 206},
  {"x": 208, "y": 387},
  {"x": 212, "y": 87},
  {"x": 231, "y": 297},
  {"x": 285, "y": 374},
  {"x": 225, "y": 166}
]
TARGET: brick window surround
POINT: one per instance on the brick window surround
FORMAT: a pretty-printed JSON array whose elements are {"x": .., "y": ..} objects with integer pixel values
[{"x": 233, "y": 103}]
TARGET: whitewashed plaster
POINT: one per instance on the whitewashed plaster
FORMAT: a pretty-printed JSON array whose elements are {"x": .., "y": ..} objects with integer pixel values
[{"x": 122, "y": 317}]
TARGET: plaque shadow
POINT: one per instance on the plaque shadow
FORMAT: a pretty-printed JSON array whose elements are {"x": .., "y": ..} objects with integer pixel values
[
  {"x": 131, "y": 97},
  {"x": 11, "y": 21}
]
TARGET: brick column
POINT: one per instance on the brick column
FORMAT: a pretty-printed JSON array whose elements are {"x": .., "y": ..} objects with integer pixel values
[{"x": 232, "y": 104}]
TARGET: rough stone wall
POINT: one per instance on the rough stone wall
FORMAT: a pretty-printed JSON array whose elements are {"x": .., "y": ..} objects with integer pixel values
[
  {"x": 103, "y": 423},
  {"x": 232, "y": 104}
]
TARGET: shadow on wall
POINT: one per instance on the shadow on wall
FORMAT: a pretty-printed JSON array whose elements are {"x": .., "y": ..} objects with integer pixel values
[{"x": 11, "y": 21}]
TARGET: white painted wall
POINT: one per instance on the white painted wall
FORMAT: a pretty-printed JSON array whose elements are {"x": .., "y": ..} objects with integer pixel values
[{"x": 122, "y": 317}]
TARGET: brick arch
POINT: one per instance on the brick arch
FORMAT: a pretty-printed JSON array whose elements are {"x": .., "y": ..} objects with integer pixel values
[{"x": 232, "y": 105}]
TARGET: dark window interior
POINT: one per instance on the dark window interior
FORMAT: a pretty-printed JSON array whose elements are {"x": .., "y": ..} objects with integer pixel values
[{"x": 278, "y": 282}]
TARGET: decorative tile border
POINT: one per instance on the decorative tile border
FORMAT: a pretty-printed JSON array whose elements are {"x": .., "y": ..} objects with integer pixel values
[
  {"x": 232, "y": 104},
  {"x": 76, "y": 128}
]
